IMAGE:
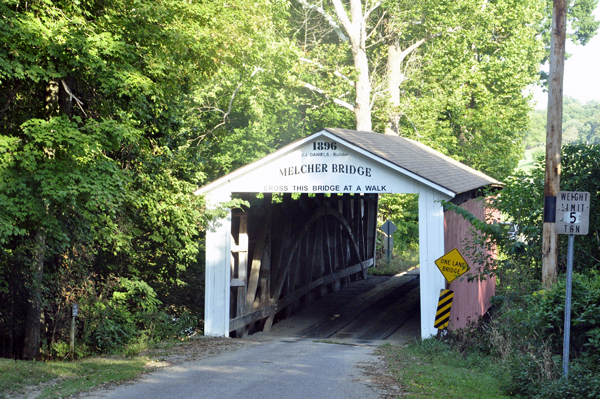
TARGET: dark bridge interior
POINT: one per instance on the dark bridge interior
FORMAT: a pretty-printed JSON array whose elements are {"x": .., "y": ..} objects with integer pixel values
[{"x": 290, "y": 251}]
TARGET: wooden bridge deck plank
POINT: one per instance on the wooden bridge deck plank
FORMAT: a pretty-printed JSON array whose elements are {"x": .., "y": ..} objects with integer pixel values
[
  {"x": 387, "y": 315},
  {"x": 354, "y": 300}
]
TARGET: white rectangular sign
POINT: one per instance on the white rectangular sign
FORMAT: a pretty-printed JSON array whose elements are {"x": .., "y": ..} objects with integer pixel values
[
  {"x": 572, "y": 212},
  {"x": 325, "y": 166}
]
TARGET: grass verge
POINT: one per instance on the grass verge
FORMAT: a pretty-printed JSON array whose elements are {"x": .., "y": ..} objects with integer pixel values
[
  {"x": 430, "y": 369},
  {"x": 59, "y": 379},
  {"x": 55, "y": 379},
  {"x": 406, "y": 261}
]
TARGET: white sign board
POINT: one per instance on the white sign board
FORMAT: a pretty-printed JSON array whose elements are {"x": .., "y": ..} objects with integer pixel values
[
  {"x": 572, "y": 212},
  {"x": 324, "y": 165}
]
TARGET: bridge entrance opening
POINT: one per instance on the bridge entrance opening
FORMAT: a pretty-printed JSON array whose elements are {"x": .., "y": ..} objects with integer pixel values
[{"x": 290, "y": 250}]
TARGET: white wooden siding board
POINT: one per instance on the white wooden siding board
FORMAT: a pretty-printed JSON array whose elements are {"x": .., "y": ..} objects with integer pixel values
[
  {"x": 208, "y": 281},
  {"x": 431, "y": 247},
  {"x": 227, "y": 179},
  {"x": 217, "y": 292}
]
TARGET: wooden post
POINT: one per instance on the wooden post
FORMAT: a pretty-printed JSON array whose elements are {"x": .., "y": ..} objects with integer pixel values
[
  {"x": 257, "y": 257},
  {"x": 265, "y": 267},
  {"x": 72, "y": 343},
  {"x": 553, "y": 141},
  {"x": 371, "y": 204}
]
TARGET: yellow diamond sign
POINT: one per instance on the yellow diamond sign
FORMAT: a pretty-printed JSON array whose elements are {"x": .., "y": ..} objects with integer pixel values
[{"x": 452, "y": 265}]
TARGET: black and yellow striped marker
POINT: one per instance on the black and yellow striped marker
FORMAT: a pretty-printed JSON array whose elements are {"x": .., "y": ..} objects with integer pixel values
[{"x": 442, "y": 316}]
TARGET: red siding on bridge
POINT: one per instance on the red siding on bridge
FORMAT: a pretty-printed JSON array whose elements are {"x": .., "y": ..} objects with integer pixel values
[{"x": 471, "y": 299}]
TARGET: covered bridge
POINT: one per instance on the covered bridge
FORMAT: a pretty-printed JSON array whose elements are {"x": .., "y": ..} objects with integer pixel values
[{"x": 288, "y": 248}]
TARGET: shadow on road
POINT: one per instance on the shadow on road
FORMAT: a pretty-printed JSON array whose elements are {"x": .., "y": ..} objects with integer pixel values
[{"x": 381, "y": 308}]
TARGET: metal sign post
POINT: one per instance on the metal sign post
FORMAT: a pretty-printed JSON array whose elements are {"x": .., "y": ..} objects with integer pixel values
[
  {"x": 572, "y": 218},
  {"x": 567, "y": 336},
  {"x": 389, "y": 228}
]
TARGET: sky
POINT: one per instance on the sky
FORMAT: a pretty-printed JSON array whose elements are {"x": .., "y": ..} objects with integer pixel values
[{"x": 582, "y": 72}]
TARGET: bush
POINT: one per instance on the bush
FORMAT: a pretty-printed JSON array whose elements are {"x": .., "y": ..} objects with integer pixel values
[
  {"x": 528, "y": 337},
  {"x": 126, "y": 311},
  {"x": 521, "y": 201},
  {"x": 110, "y": 311},
  {"x": 582, "y": 383}
]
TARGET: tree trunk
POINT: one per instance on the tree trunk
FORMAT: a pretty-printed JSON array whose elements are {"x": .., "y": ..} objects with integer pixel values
[
  {"x": 356, "y": 29},
  {"x": 553, "y": 142},
  {"x": 394, "y": 78},
  {"x": 362, "y": 107},
  {"x": 33, "y": 322}
]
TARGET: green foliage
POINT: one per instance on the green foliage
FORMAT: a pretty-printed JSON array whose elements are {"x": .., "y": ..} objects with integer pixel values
[
  {"x": 113, "y": 113},
  {"x": 461, "y": 88},
  {"x": 523, "y": 337},
  {"x": 403, "y": 211},
  {"x": 528, "y": 336},
  {"x": 535, "y": 135},
  {"x": 522, "y": 201},
  {"x": 482, "y": 114},
  {"x": 108, "y": 322},
  {"x": 97, "y": 152},
  {"x": 57, "y": 170},
  {"x": 135, "y": 294},
  {"x": 582, "y": 383},
  {"x": 583, "y": 22},
  {"x": 581, "y": 123},
  {"x": 581, "y": 168},
  {"x": 581, "y": 26},
  {"x": 60, "y": 350},
  {"x": 127, "y": 311},
  {"x": 400, "y": 262}
]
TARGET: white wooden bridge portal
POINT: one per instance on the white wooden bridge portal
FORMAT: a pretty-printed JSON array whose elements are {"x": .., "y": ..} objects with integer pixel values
[{"x": 285, "y": 251}]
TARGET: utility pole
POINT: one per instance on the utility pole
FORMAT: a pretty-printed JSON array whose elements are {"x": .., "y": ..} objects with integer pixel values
[{"x": 553, "y": 140}]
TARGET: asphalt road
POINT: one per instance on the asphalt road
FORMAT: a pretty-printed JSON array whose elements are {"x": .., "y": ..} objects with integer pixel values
[
  {"x": 297, "y": 359},
  {"x": 291, "y": 368}
]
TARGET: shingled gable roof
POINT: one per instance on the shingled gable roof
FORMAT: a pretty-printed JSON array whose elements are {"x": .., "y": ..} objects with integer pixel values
[
  {"x": 418, "y": 159},
  {"x": 413, "y": 157}
]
